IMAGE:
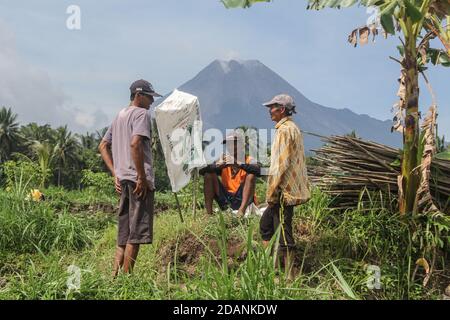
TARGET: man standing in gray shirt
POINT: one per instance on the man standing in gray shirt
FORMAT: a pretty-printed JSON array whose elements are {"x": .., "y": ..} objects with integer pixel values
[{"x": 126, "y": 151}]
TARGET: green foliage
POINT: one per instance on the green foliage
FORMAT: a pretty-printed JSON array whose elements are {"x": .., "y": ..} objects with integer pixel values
[
  {"x": 98, "y": 182},
  {"x": 445, "y": 155},
  {"x": 430, "y": 232},
  {"x": 21, "y": 175},
  {"x": 241, "y": 3},
  {"x": 162, "y": 180}
]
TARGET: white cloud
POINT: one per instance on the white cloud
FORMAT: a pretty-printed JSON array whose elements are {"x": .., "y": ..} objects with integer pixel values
[
  {"x": 232, "y": 55},
  {"x": 30, "y": 92},
  {"x": 85, "y": 120}
]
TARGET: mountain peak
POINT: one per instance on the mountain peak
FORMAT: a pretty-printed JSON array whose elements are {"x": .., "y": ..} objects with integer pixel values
[{"x": 229, "y": 65}]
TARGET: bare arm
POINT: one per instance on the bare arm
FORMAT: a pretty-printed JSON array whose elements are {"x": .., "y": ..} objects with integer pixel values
[
  {"x": 137, "y": 153},
  {"x": 105, "y": 150}
]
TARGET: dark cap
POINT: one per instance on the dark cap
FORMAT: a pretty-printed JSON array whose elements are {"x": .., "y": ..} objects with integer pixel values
[{"x": 143, "y": 86}]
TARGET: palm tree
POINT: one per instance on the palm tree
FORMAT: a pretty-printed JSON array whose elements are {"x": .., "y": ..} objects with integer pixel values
[
  {"x": 44, "y": 153},
  {"x": 99, "y": 134},
  {"x": 88, "y": 140},
  {"x": 420, "y": 21},
  {"x": 9, "y": 133},
  {"x": 34, "y": 132},
  {"x": 65, "y": 150}
]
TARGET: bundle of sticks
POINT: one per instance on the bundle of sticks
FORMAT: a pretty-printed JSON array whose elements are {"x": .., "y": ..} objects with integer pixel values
[{"x": 345, "y": 166}]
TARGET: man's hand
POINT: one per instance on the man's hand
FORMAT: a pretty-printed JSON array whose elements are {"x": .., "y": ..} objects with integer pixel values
[
  {"x": 117, "y": 185},
  {"x": 225, "y": 160},
  {"x": 220, "y": 164},
  {"x": 142, "y": 188}
]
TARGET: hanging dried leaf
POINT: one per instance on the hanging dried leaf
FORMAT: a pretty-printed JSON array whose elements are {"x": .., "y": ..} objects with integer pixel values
[
  {"x": 353, "y": 37},
  {"x": 398, "y": 109},
  {"x": 373, "y": 30},
  {"x": 401, "y": 93},
  {"x": 423, "y": 53},
  {"x": 429, "y": 149},
  {"x": 400, "y": 186},
  {"x": 364, "y": 35}
]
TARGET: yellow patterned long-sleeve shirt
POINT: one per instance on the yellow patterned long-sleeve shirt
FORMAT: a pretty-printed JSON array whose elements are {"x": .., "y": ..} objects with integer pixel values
[{"x": 287, "y": 173}]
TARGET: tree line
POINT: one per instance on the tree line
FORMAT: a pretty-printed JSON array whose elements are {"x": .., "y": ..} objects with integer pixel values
[{"x": 57, "y": 155}]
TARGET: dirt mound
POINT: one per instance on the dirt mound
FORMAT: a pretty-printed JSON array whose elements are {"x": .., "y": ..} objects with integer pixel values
[
  {"x": 93, "y": 208},
  {"x": 189, "y": 250},
  {"x": 107, "y": 208}
]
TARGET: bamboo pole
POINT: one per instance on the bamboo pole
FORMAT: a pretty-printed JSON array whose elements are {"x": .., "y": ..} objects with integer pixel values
[
  {"x": 346, "y": 165},
  {"x": 194, "y": 204},
  {"x": 179, "y": 207}
]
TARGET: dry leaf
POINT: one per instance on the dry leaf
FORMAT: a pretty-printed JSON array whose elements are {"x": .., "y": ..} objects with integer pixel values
[
  {"x": 353, "y": 38},
  {"x": 423, "y": 53},
  {"x": 364, "y": 35},
  {"x": 374, "y": 30}
]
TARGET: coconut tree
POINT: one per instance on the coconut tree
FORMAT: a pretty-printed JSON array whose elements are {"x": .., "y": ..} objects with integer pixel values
[
  {"x": 99, "y": 134},
  {"x": 9, "y": 133},
  {"x": 32, "y": 133},
  {"x": 88, "y": 140},
  {"x": 35, "y": 132},
  {"x": 65, "y": 150},
  {"x": 418, "y": 22}
]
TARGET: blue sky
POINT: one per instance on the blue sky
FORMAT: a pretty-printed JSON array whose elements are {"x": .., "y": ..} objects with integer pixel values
[{"x": 81, "y": 77}]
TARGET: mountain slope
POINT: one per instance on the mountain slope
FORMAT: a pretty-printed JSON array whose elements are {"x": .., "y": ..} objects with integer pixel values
[{"x": 231, "y": 94}]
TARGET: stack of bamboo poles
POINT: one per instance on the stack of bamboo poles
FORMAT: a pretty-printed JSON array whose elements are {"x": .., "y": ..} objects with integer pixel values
[
  {"x": 345, "y": 166},
  {"x": 440, "y": 184}
]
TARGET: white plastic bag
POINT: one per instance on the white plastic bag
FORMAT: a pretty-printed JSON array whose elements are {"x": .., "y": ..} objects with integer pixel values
[{"x": 180, "y": 132}]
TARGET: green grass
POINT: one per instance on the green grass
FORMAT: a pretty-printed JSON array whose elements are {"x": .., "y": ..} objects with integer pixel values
[
  {"x": 30, "y": 227},
  {"x": 218, "y": 257}
]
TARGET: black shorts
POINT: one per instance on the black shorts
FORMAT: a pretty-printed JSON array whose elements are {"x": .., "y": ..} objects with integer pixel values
[
  {"x": 225, "y": 198},
  {"x": 270, "y": 221},
  {"x": 135, "y": 216}
]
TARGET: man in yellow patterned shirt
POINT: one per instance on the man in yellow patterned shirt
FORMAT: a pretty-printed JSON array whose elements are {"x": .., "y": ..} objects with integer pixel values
[{"x": 287, "y": 184}]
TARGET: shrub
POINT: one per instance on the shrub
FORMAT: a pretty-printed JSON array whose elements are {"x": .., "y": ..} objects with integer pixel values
[
  {"x": 20, "y": 175},
  {"x": 98, "y": 182}
]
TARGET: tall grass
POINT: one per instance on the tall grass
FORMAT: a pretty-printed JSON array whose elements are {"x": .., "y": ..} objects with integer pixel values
[{"x": 27, "y": 226}]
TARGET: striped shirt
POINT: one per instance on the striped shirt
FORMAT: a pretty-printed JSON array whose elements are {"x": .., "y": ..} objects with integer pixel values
[{"x": 287, "y": 174}]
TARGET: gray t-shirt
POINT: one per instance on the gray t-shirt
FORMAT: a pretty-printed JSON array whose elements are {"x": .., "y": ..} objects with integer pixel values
[{"x": 129, "y": 122}]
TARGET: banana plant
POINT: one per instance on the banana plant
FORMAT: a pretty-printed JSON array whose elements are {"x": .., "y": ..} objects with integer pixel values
[
  {"x": 418, "y": 22},
  {"x": 240, "y": 3}
]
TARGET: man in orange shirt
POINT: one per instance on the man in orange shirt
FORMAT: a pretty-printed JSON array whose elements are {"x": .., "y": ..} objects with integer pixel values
[{"x": 236, "y": 186}]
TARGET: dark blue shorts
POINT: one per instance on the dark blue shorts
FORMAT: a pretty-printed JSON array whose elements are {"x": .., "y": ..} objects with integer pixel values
[{"x": 225, "y": 198}]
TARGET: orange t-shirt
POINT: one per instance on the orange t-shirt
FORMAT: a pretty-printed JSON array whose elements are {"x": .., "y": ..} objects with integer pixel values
[{"x": 230, "y": 182}]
